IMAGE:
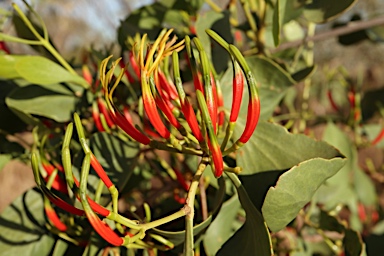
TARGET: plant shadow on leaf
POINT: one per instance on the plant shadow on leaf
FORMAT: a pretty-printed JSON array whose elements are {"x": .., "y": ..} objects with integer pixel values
[
  {"x": 117, "y": 157},
  {"x": 177, "y": 237},
  {"x": 22, "y": 223},
  {"x": 14, "y": 123},
  {"x": 257, "y": 185},
  {"x": 36, "y": 100},
  {"x": 253, "y": 236}
]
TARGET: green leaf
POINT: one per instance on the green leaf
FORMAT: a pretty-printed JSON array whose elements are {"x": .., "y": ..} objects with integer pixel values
[
  {"x": 22, "y": 230},
  {"x": 303, "y": 73},
  {"x": 278, "y": 17},
  {"x": 378, "y": 229},
  {"x": 221, "y": 229},
  {"x": 253, "y": 236},
  {"x": 349, "y": 185},
  {"x": 7, "y": 64},
  {"x": 353, "y": 245},
  {"x": 295, "y": 188},
  {"x": 273, "y": 81},
  {"x": 36, "y": 100},
  {"x": 293, "y": 9},
  {"x": 331, "y": 223},
  {"x": 272, "y": 147},
  {"x": 40, "y": 70},
  {"x": 320, "y": 11},
  {"x": 4, "y": 159},
  {"x": 365, "y": 188},
  {"x": 203, "y": 22}
]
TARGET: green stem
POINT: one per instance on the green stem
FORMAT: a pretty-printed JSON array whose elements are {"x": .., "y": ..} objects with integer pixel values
[
  {"x": 188, "y": 245},
  {"x": 99, "y": 190},
  {"x": 307, "y": 82},
  {"x": 235, "y": 180},
  {"x": 153, "y": 224},
  {"x": 43, "y": 40}
]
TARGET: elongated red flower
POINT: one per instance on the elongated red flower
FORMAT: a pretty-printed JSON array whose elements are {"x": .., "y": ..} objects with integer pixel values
[
  {"x": 332, "y": 101},
  {"x": 191, "y": 119},
  {"x": 217, "y": 158},
  {"x": 86, "y": 74},
  {"x": 129, "y": 128},
  {"x": 181, "y": 179},
  {"x": 95, "y": 206},
  {"x": 237, "y": 94},
  {"x": 96, "y": 117},
  {"x": 61, "y": 203},
  {"x": 103, "y": 229},
  {"x": 212, "y": 102},
  {"x": 186, "y": 107},
  {"x": 253, "y": 113},
  {"x": 101, "y": 104},
  {"x": 53, "y": 218},
  {"x": 167, "y": 86},
  {"x": 100, "y": 171},
  {"x": 126, "y": 72},
  {"x": 164, "y": 107},
  {"x": 253, "y": 116},
  {"x": 213, "y": 145},
  {"x": 378, "y": 138},
  {"x": 196, "y": 75},
  {"x": 4, "y": 48},
  {"x": 151, "y": 109},
  {"x": 134, "y": 65},
  {"x": 58, "y": 183}
]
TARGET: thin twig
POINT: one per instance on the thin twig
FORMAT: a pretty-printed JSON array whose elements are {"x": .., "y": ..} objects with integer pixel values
[
  {"x": 349, "y": 28},
  {"x": 203, "y": 199}
]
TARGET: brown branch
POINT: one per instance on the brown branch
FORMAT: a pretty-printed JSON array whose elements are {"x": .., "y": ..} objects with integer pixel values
[{"x": 349, "y": 28}]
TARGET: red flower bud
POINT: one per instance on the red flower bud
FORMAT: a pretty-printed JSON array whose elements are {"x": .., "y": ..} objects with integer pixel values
[
  {"x": 103, "y": 229},
  {"x": 238, "y": 87},
  {"x": 96, "y": 117},
  {"x": 378, "y": 138},
  {"x": 53, "y": 218},
  {"x": 105, "y": 112}
]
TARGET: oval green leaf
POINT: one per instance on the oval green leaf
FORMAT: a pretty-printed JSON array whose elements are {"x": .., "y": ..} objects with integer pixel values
[
  {"x": 37, "y": 100},
  {"x": 40, "y": 70},
  {"x": 7, "y": 64},
  {"x": 272, "y": 147},
  {"x": 320, "y": 11},
  {"x": 295, "y": 188}
]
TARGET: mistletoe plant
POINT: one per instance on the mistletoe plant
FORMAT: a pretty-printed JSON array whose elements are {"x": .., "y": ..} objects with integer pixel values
[{"x": 176, "y": 146}]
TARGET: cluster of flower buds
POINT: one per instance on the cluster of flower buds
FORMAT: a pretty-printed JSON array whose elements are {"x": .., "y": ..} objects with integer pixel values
[
  {"x": 176, "y": 124},
  {"x": 55, "y": 190},
  {"x": 172, "y": 121}
]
